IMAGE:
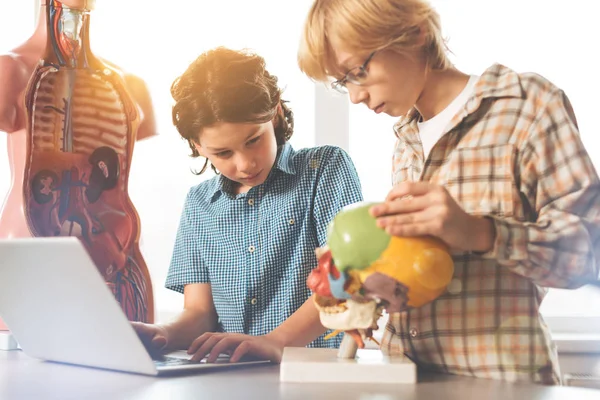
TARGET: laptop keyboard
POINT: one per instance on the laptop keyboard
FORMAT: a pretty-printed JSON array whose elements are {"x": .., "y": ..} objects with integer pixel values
[
  {"x": 171, "y": 361},
  {"x": 167, "y": 361}
]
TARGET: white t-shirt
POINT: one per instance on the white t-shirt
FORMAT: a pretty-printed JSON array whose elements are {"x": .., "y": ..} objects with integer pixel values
[{"x": 432, "y": 129}]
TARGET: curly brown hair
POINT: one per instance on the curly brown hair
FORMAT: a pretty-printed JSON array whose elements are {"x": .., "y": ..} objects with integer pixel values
[{"x": 224, "y": 85}]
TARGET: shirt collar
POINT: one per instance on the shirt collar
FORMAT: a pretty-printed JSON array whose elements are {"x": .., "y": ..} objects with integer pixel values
[
  {"x": 283, "y": 162},
  {"x": 285, "y": 158},
  {"x": 497, "y": 81}
]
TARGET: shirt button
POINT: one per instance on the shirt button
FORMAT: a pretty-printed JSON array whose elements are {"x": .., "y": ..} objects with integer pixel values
[
  {"x": 251, "y": 249},
  {"x": 413, "y": 332},
  {"x": 291, "y": 221},
  {"x": 253, "y": 301},
  {"x": 455, "y": 286},
  {"x": 251, "y": 202}
]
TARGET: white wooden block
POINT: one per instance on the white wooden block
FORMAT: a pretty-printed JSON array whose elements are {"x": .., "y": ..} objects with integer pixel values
[
  {"x": 300, "y": 364},
  {"x": 7, "y": 341}
]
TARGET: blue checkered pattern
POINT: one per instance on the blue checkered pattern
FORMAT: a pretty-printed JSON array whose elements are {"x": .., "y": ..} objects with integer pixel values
[{"x": 256, "y": 249}]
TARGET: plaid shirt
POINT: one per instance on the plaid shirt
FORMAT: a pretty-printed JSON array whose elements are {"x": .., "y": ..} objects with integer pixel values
[
  {"x": 256, "y": 249},
  {"x": 512, "y": 154}
]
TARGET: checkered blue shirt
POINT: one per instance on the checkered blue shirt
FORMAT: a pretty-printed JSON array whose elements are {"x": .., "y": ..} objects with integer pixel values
[{"x": 256, "y": 249}]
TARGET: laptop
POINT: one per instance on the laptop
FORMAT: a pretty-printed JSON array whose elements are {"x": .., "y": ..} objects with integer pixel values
[{"x": 58, "y": 307}]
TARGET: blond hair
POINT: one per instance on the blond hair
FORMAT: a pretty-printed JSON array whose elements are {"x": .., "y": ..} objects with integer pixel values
[{"x": 363, "y": 26}]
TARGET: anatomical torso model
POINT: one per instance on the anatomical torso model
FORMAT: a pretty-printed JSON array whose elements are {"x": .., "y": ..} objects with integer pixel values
[{"x": 72, "y": 120}]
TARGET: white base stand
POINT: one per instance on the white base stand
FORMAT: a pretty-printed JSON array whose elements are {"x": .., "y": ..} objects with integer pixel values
[
  {"x": 300, "y": 364},
  {"x": 7, "y": 341}
]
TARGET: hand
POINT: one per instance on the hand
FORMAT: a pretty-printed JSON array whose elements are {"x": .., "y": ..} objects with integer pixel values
[
  {"x": 154, "y": 337},
  {"x": 236, "y": 345},
  {"x": 421, "y": 208}
]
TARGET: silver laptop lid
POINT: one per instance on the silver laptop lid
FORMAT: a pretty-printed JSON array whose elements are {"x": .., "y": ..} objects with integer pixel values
[{"x": 58, "y": 307}]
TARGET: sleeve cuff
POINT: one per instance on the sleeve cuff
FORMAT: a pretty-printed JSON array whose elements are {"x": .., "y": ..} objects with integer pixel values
[{"x": 510, "y": 242}]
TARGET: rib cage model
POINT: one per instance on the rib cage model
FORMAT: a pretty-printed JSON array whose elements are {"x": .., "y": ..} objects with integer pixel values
[
  {"x": 81, "y": 129},
  {"x": 97, "y": 117}
]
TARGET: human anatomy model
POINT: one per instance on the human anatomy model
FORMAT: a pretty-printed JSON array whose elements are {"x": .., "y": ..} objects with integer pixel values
[
  {"x": 72, "y": 120},
  {"x": 364, "y": 271}
]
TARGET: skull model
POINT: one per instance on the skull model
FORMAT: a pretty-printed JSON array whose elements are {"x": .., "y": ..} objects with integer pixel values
[{"x": 363, "y": 271}]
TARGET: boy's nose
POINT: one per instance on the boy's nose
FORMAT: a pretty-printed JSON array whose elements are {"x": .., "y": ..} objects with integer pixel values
[
  {"x": 247, "y": 165},
  {"x": 358, "y": 94}
]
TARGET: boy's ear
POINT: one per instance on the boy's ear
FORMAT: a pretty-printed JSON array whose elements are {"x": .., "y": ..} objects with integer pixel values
[
  {"x": 198, "y": 147},
  {"x": 278, "y": 117}
]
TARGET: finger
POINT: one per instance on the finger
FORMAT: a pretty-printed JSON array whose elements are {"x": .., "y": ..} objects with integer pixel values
[
  {"x": 409, "y": 189},
  {"x": 206, "y": 348},
  {"x": 226, "y": 345},
  {"x": 141, "y": 328},
  {"x": 404, "y": 219},
  {"x": 411, "y": 230},
  {"x": 400, "y": 206},
  {"x": 199, "y": 341},
  {"x": 243, "y": 349},
  {"x": 159, "y": 342},
  {"x": 146, "y": 333},
  {"x": 136, "y": 324},
  {"x": 155, "y": 344}
]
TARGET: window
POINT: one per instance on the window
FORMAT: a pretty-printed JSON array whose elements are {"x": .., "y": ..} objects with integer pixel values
[{"x": 526, "y": 35}]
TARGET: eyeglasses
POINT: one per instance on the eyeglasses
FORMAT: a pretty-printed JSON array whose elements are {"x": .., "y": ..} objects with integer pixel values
[{"x": 355, "y": 76}]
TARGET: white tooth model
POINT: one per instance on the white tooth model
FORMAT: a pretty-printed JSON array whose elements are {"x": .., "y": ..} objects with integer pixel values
[{"x": 348, "y": 315}]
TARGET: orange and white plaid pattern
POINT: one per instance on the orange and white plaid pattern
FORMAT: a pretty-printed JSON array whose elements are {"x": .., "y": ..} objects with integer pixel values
[{"x": 513, "y": 154}]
